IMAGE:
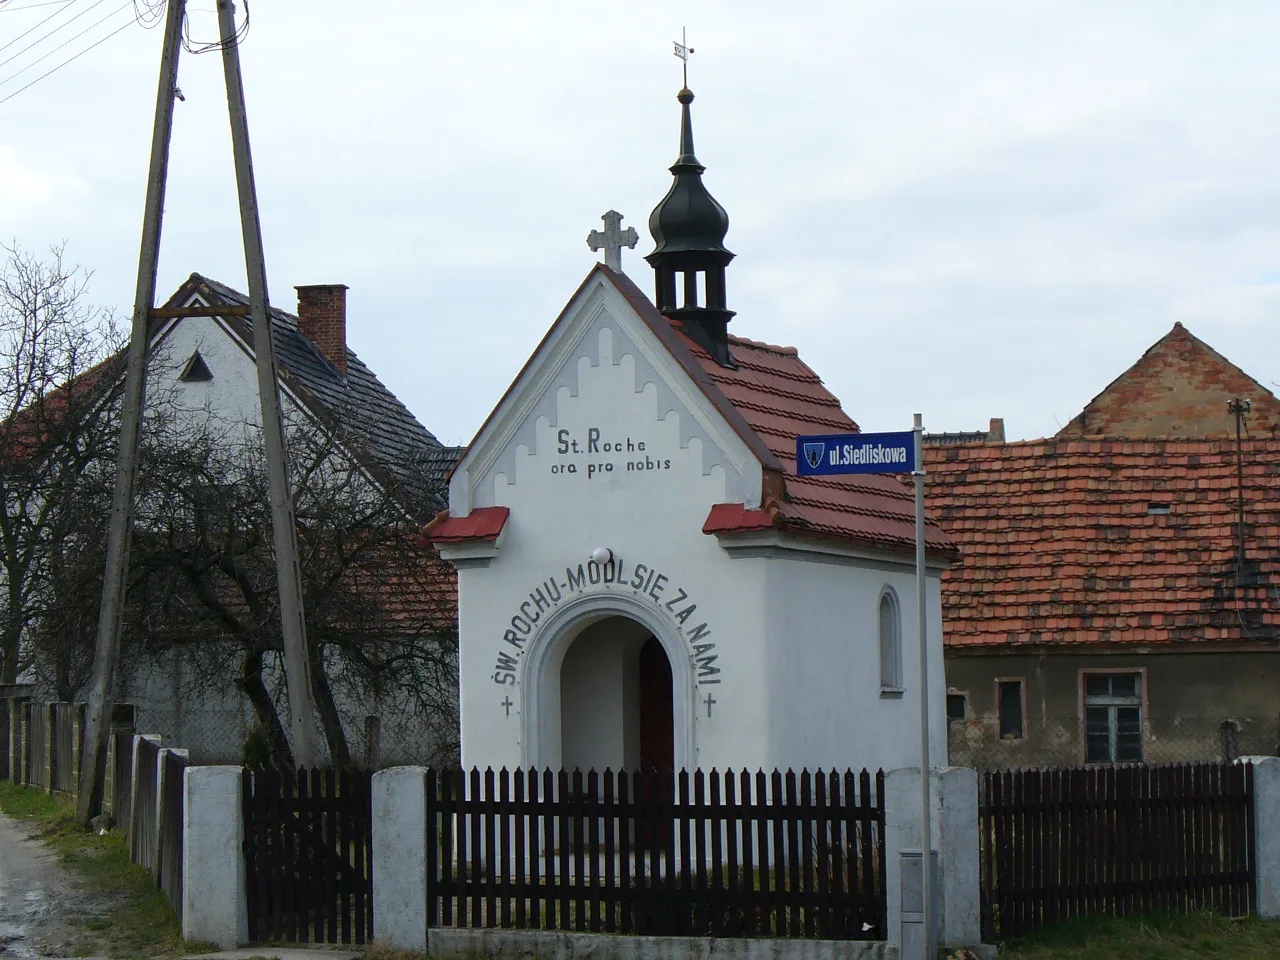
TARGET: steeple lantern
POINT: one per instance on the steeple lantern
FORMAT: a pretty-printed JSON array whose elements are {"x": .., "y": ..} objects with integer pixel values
[{"x": 690, "y": 257}]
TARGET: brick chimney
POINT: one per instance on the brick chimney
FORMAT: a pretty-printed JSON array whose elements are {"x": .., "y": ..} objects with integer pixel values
[
  {"x": 322, "y": 318},
  {"x": 995, "y": 432}
]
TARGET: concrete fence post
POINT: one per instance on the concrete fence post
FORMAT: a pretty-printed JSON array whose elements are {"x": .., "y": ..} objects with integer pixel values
[
  {"x": 955, "y": 836},
  {"x": 1266, "y": 835},
  {"x": 901, "y": 802},
  {"x": 959, "y": 856},
  {"x": 17, "y": 745},
  {"x": 78, "y": 713},
  {"x": 24, "y": 758},
  {"x": 400, "y": 857},
  {"x": 11, "y": 695},
  {"x": 50, "y": 745},
  {"x": 131, "y": 837},
  {"x": 10, "y": 740},
  {"x": 214, "y": 905}
]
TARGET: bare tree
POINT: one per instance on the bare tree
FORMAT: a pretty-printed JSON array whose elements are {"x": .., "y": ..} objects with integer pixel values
[
  {"x": 380, "y": 605},
  {"x": 57, "y": 373}
]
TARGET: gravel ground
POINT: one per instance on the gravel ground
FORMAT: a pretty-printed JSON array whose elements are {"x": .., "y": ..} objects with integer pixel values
[{"x": 44, "y": 910}]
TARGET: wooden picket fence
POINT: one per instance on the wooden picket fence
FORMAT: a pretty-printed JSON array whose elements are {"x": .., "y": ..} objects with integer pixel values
[
  {"x": 143, "y": 839},
  {"x": 144, "y": 803},
  {"x": 308, "y": 846},
  {"x": 120, "y": 775},
  {"x": 1111, "y": 840},
  {"x": 53, "y": 734},
  {"x": 169, "y": 833},
  {"x": 701, "y": 854}
]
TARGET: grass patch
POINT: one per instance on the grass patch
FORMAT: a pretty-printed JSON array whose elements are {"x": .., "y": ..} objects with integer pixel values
[
  {"x": 140, "y": 922},
  {"x": 1197, "y": 936},
  {"x": 380, "y": 951}
]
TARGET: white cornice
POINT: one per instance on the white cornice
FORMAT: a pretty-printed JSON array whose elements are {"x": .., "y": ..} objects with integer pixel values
[{"x": 775, "y": 543}]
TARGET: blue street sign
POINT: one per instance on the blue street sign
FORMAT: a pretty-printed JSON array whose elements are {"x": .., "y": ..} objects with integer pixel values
[{"x": 856, "y": 453}]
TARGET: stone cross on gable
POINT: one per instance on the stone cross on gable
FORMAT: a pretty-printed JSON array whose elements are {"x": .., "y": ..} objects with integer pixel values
[{"x": 613, "y": 238}]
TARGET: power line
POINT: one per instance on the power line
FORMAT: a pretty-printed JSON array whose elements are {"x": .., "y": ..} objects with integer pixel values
[
  {"x": 65, "y": 62},
  {"x": 59, "y": 27},
  {"x": 154, "y": 10},
  {"x": 32, "y": 6},
  {"x": 64, "y": 43},
  {"x": 37, "y": 26},
  {"x": 192, "y": 47}
]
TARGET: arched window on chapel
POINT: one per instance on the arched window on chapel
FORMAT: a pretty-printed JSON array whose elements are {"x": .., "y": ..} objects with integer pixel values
[{"x": 890, "y": 643}]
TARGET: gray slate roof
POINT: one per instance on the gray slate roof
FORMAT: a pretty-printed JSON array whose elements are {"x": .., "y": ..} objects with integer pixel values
[{"x": 392, "y": 438}]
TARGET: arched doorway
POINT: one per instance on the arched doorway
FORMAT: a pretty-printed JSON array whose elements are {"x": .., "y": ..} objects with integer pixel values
[
  {"x": 626, "y": 624},
  {"x": 616, "y": 699}
]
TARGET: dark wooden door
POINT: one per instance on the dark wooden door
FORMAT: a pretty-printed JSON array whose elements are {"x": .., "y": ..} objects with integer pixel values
[
  {"x": 655, "y": 786},
  {"x": 657, "y": 728}
]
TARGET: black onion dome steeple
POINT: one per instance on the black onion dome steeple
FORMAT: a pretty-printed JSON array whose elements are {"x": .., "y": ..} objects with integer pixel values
[{"x": 688, "y": 228}]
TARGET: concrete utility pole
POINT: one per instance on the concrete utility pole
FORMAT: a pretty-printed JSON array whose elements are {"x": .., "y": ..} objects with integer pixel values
[
  {"x": 297, "y": 664},
  {"x": 110, "y": 615},
  {"x": 284, "y": 529}
]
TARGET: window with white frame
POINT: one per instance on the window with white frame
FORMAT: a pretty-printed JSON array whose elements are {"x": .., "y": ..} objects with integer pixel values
[
  {"x": 1113, "y": 717},
  {"x": 890, "y": 642}
]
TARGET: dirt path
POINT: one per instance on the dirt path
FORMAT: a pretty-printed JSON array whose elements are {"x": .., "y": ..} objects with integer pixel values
[{"x": 44, "y": 910}]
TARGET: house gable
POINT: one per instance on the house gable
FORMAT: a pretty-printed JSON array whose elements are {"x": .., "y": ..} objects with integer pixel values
[
  {"x": 1178, "y": 388},
  {"x": 377, "y": 429},
  {"x": 603, "y": 401}
]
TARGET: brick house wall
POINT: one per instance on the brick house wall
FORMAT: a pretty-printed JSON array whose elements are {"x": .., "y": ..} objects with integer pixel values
[{"x": 1178, "y": 388}]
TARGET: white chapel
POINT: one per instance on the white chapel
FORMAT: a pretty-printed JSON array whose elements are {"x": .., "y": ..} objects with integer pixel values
[{"x": 643, "y": 579}]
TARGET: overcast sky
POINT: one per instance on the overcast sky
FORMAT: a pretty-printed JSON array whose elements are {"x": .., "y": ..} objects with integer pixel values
[{"x": 969, "y": 209}]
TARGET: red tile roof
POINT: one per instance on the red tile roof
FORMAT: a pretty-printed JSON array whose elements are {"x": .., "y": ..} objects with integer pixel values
[
  {"x": 49, "y": 417},
  {"x": 734, "y": 517},
  {"x": 483, "y": 523},
  {"x": 770, "y": 399},
  {"x": 781, "y": 398},
  {"x": 1060, "y": 544}
]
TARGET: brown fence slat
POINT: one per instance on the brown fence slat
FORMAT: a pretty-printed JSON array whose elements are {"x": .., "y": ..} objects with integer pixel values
[
  {"x": 505, "y": 851},
  {"x": 487, "y": 808},
  {"x": 308, "y": 838},
  {"x": 636, "y": 853},
  {"x": 1114, "y": 840}
]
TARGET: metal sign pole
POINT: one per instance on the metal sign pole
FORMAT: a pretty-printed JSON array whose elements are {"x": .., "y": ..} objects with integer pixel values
[
  {"x": 926, "y": 825},
  {"x": 839, "y": 454}
]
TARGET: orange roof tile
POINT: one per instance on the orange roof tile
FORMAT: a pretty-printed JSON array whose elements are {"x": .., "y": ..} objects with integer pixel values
[
  {"x": 1066, "y": 541},
  {"x": 482, "y": 523},
  {"x": 770, "y": 399},
  {"x": 781, "y": 398}
]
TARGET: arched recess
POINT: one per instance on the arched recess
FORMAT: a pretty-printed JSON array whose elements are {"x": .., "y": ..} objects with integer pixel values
[{"x": 540, "y": 680}]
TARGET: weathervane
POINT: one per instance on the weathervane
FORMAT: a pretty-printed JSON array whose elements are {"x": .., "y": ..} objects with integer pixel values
[
  {"x": 613, "y": 239},
  {"x": 682, "y": 51}
]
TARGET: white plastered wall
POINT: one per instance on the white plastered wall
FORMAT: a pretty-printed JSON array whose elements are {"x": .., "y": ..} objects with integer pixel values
[
  {"x": 795, "y": 679},
  {"x": 611, "y": 382},
  {"x": 824, "y": 651}
]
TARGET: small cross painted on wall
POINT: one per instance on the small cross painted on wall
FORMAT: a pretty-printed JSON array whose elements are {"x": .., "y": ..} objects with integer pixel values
[
  {"x": 710, "y": 703},
  {"x": 507, "y": 704}
]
